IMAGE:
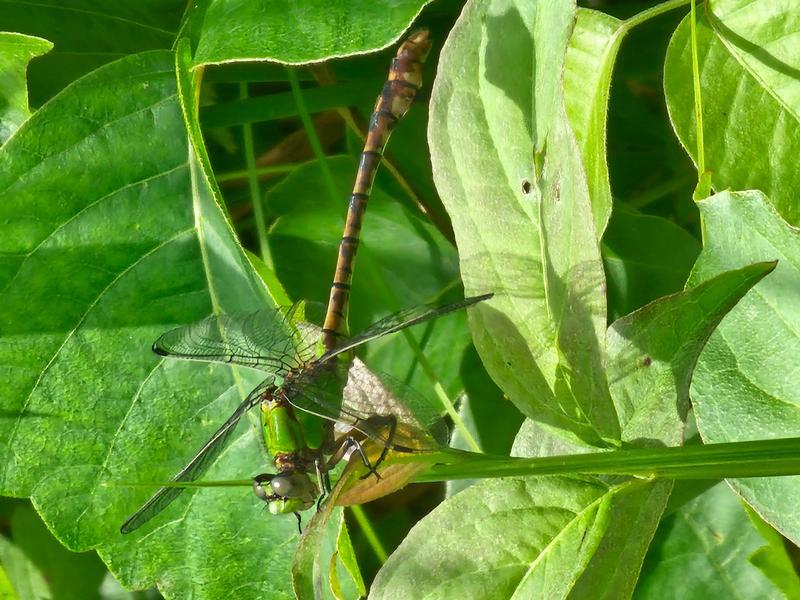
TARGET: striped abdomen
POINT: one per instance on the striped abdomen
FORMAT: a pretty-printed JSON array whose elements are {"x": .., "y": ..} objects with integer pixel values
[{"x": 405, "y": 78}]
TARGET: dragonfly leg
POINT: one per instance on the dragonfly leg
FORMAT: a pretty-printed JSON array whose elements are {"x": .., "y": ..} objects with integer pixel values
[
  {"x": 299, "y": 523},
  {"x": 324, "y": 480},
  {"x": 390, "y": 421},
  {"x": 348, "y": 444}
]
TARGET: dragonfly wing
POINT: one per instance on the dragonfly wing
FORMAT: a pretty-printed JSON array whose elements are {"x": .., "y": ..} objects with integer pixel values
[
  {"x": 198, "y": 465},
  {"x": 369, "y": 403},
  {"x": 401, "y": 320},
  {"x": 267, "y": 340},
  {"x": 420, "y": 425}
]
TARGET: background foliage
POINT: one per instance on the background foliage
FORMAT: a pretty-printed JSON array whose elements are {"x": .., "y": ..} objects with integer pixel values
[{"x": 159, "y": 163}]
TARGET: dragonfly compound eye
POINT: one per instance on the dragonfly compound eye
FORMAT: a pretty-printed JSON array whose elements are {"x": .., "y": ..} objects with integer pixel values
[
  {"x": 293, "y": 492},
  {"x": 293, "y": 485},
  {"x": 259, "y": 489}
]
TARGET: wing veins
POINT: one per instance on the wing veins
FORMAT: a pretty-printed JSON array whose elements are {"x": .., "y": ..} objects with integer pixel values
[{"x": 197, "y": 466}]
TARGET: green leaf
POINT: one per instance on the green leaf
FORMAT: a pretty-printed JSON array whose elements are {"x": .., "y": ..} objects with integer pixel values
[
  {"x": 645, "y": 257},
  {"x": 16, "y": 51},
  {"x": 495, "y": 420},
  {"x": 589, "y": 63},
  {"x": 296, "y": 33},
  {"x": 315, "y": 572},
  {"x": 19, "y": 576},
  {"x": 750, "y": 95},
  {"x": 541, "y": 336},
  {"x": 112, "y": 213},
  {"x": 772, "y": 558},
  {"x": 346, "y": 555},
  {"x": 6, "y": 591},
  {"x": 744, "y": 386},
  {"x": 524, "y": 538},
  {"x": 57, "y": 564},
  {"x": 705, "y": 546},
  {"x": 87, "y": 35},
  {"x": 652, "y": 353},
  {"x": 633, "y": 516}
]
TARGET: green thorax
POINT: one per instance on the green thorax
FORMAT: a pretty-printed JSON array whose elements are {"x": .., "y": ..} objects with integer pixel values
[
  {"x": 287, "y": 430},
  {"x": 291, "y": 430}
]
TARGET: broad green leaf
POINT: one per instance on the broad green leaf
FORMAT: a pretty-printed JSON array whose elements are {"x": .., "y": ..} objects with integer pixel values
[
  {"x": 496, "y": 421},
  {"x": 114, "y": 235},
  {"x": 645, "y": 257},
  {"x": 633, "y": 516},
  {"x": 745, "y": 383},
  {"x": 588, "y": 66},
  {"x": 16, "y": 51},
  {"x": 19, "y": 576},
  {"x": 57, "y": 564},
  {"x": 652, "y": 353},
  {"x": 772, "y": 559},
  {"x": 300, "y": 32},
  {"x": 319, "y": 547},
  {"x": 88, "y": 34},
  {"x": 705, "y": 548},
  {"x": 574, "y": 286},
  {"x": 346, "y": 556},
  {"x": 6, "y": 591},
  {"x": 651, "y": 356},
  {"x": 511, "y": 538},
  {"x": 748, "y": 62},
  {"x": 541, "y": 336}
]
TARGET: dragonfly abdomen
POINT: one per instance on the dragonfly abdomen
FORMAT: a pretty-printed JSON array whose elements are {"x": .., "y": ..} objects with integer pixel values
[{"x": 405, "y": 79}]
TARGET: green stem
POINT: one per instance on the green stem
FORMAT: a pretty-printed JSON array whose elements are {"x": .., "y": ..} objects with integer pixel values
[
  {"x": 252, "y": 181},
  {"x": 658, "y": 9},
  {"x": 311, "y": 132},
  {"x": 761, "y": 458},
  {"x": 259, "y": 171},
  {"x": 659, "y": 191},
  {"x": 698, "y": 101},
  {"x": 369, "y": 533},
  {"x": 440, "y": 392}
]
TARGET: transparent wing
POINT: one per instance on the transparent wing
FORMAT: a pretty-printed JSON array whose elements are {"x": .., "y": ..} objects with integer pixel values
[
  {"x": 401, "y": 320},
  {"x": 383, "y": 409},
  {"x": 267, "y": 340},
  {"x": 198, "y": 465}
]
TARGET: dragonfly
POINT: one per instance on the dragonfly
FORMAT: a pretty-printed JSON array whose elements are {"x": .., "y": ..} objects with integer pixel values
[
  {"x": 298, "y": 388},
  {"x": 268, "y": 341}
]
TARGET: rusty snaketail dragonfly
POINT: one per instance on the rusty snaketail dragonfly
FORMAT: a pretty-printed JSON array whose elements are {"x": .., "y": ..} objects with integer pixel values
[{"x": 302, "y": 385}]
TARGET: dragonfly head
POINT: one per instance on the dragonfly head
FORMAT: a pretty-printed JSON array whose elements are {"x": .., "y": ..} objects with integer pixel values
[{"x": 286, "y": 492}]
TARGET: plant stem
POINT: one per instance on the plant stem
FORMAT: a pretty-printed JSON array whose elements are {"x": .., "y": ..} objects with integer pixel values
[
  {"x": 369, "y": 533},
  {"x": 698, "y": 101},
  {"x": 259, "y": 171},
  {"x": 658, "y": 9},
  {"x": 252, "y": 181},
  {"x": 761, "y": 458},
  {"x": 311, "y": 132}
]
